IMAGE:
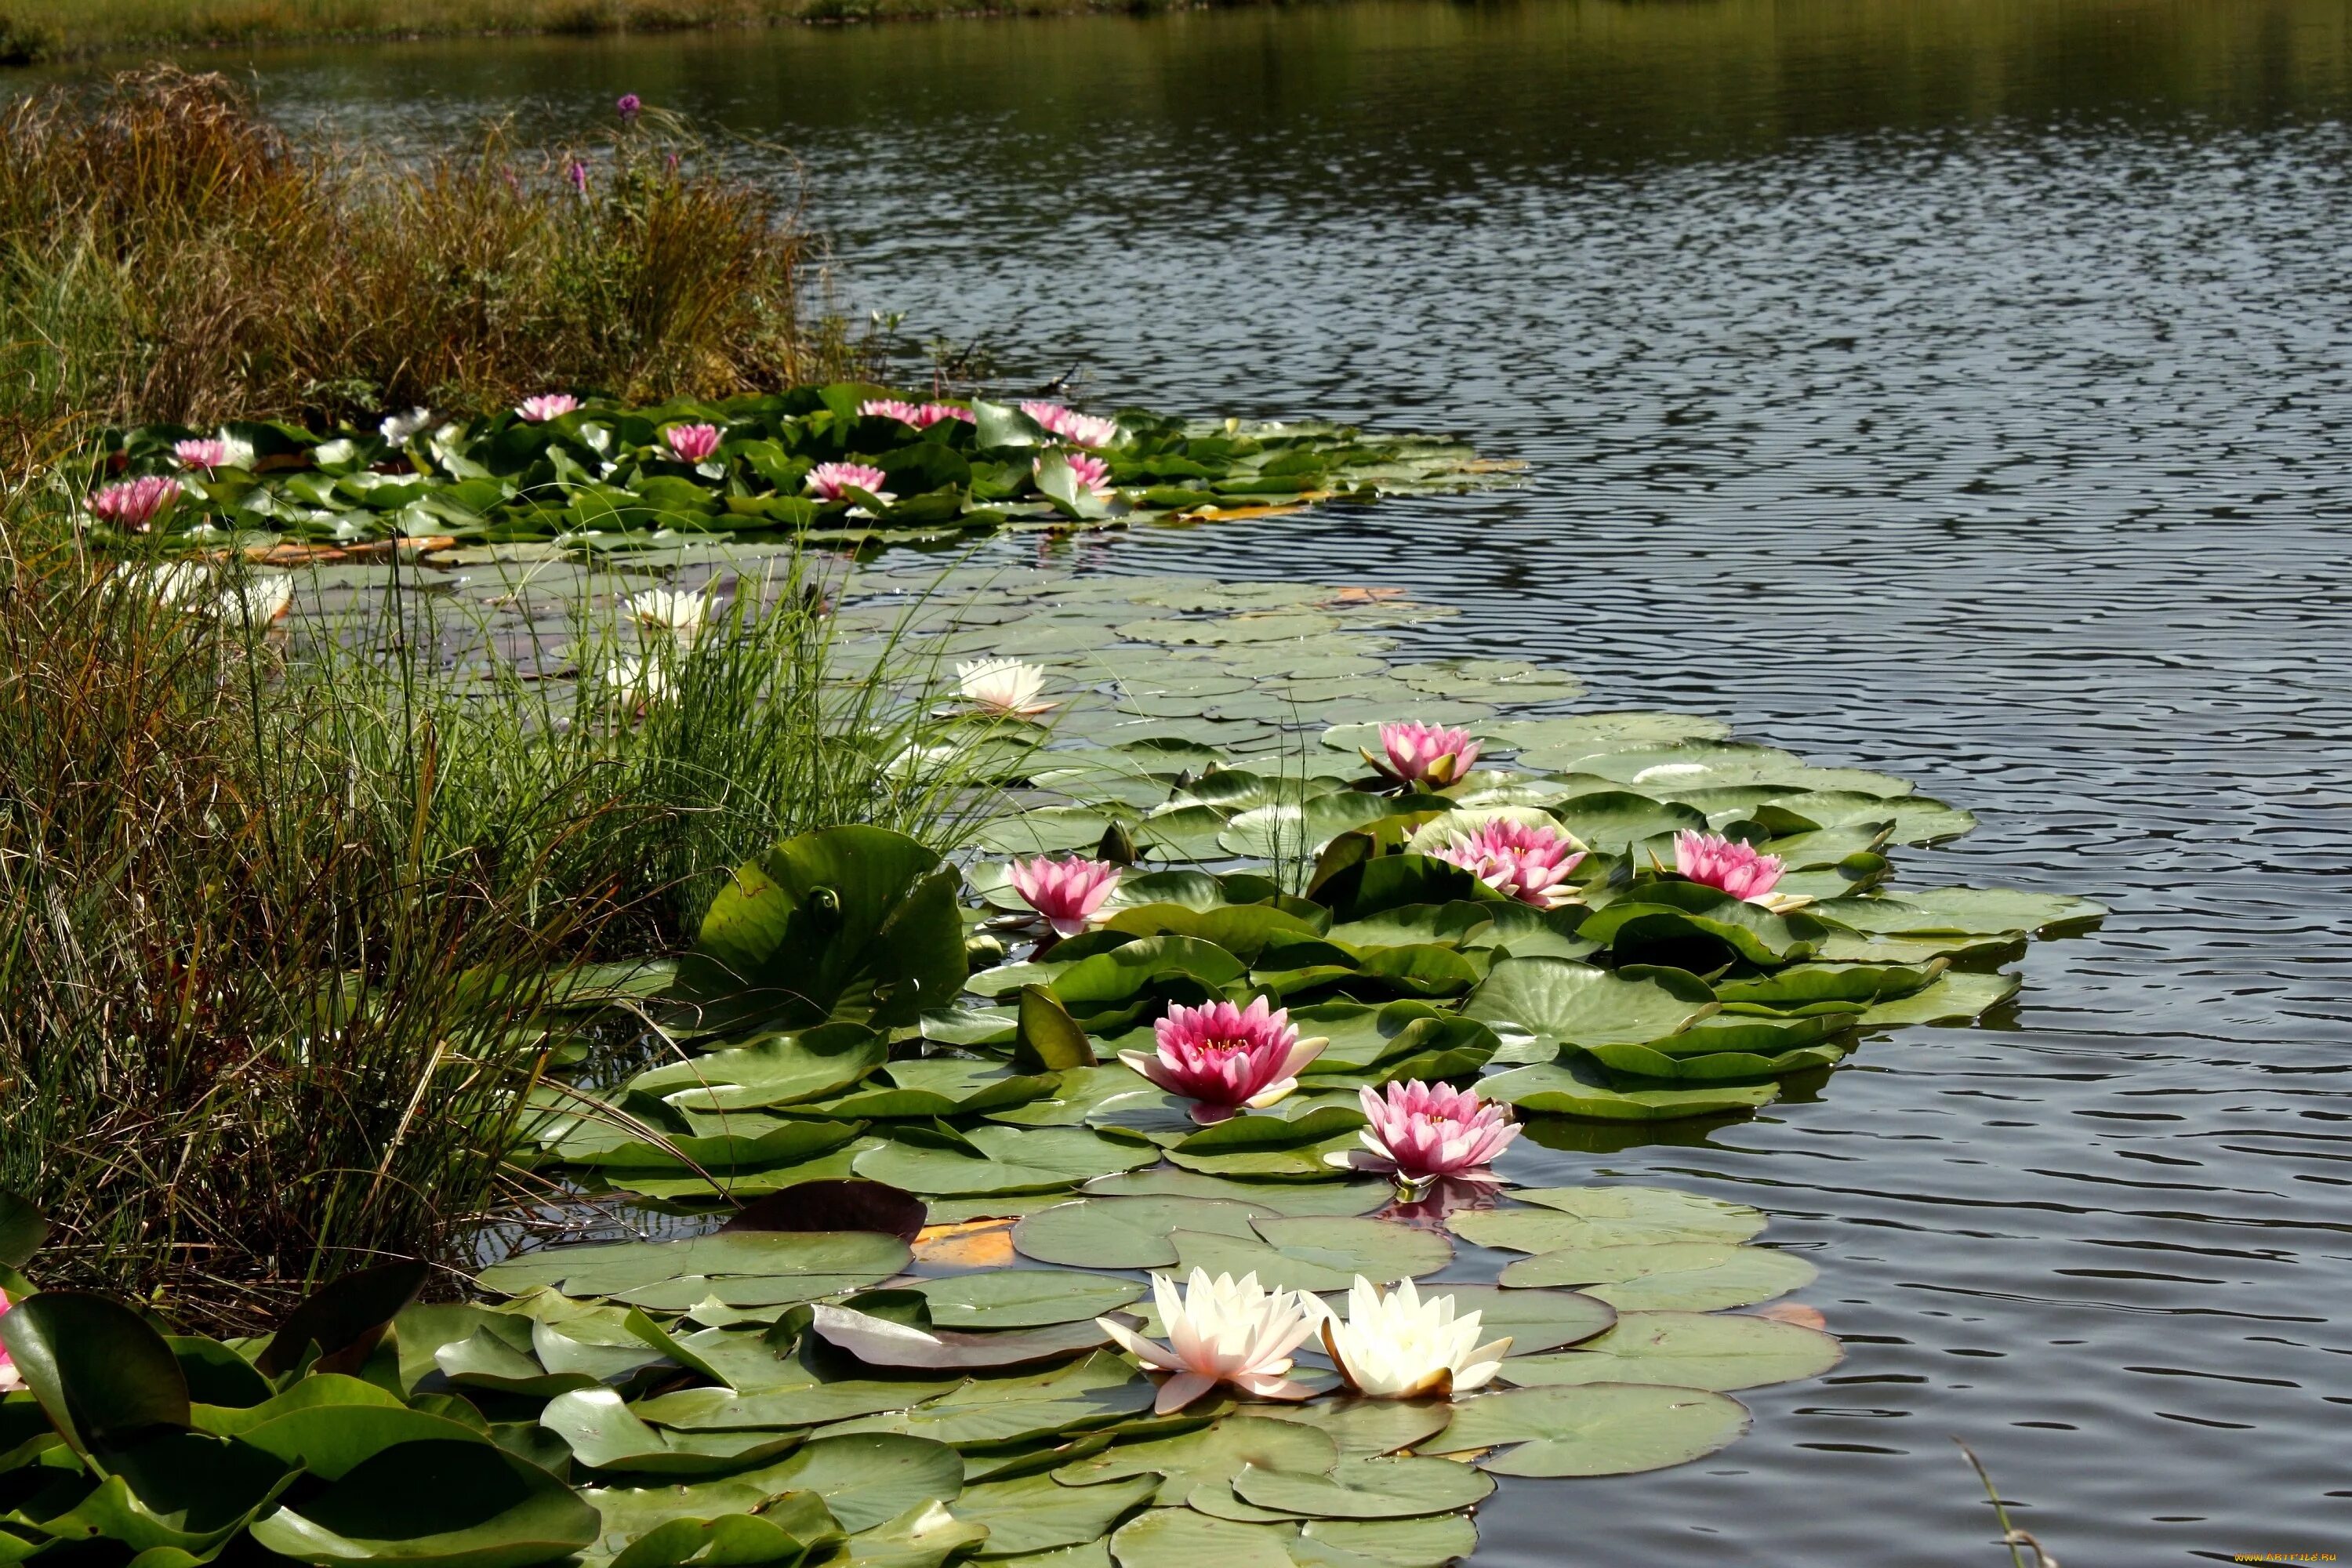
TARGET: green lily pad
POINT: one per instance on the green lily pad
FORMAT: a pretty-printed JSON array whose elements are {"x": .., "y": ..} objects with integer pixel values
[
  {"x": 818, "y": 1263},
  {"x": 1950, "y": 998},
  {"x": 1035, "y": 1514},
  {"x": 1560, "y": 999},
  {"x": 1098, "y": 1391},
  {"x": 449, "y": 1504},
  {"x": 1366, "y": 1488},
  {"x": 604, "y": 1434},
  {"x": 1023, "y": 1298},
  {"x": 1128, "y": 1232},
  {"x": 1216, "y": 1453},
  {"x": 1718, "y": 1351},
  {"x": 1429, "y": 1541},
  {"x": 1367, "y": 1428},
  {"x": 1682, "y": 1276},
  {"x": 1618, "y": 1214},
  {"x": 1961, "y": 912},
  {"x": 1603, "y": 1430},
  {"x": 1575, "y": 1089},
  {"x": 1003, "y": 1160},
  {"x": 1279, "y": 1197},
  {"x": 1317, "y": 1253},
  {"x": 777, "y": 1070}
]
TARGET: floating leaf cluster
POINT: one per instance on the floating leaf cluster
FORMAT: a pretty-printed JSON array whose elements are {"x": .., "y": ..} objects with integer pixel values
[
  {"x": 843, "y": 464},
  {"x": 942, "y": 1183}
]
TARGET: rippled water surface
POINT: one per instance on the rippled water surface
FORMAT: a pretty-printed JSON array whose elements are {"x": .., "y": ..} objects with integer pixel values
[{"x": 1954, "y": 389}]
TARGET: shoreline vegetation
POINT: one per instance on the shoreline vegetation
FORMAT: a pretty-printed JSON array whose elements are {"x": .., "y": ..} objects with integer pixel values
[{"x": 35, "y": 31}]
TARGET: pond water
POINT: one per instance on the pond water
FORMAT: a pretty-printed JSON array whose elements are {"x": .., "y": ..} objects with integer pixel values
[{"x": 1960, "y": 391}]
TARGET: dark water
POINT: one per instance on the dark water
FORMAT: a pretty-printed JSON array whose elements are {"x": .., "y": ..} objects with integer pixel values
[{"x": 1957, "y": 389}]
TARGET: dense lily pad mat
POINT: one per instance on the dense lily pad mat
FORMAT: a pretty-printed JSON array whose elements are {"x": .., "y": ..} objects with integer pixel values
[
  {"x": 870, "y": 1036},
  {"x": 611, "y": 477}
]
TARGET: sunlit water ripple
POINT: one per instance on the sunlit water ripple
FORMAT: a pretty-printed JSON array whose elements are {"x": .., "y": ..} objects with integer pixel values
[{"x": 1960, "y": 397}]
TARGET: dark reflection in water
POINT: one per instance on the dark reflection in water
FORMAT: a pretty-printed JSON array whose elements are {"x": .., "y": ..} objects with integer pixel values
[{"x": 1958, "y": 389}]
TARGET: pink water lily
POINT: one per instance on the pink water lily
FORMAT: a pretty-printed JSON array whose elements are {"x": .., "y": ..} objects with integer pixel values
[
  {"x": 1424, "y": 753},
  {"x": 11, "y": 1379},
  {"x": 1067, "y": 892},
  {"x": 832, "y": 481},
  {"x": 1424, "y": 1130},
  {"x": 691, "y": 442},
  {"x": 1528, "y": 861},
  {"x": 891, "y": 408},
  {"x": 211, "y": 452},
  {"x": 1084, "y": 429},
  {"x": 547, "y": 406},
  {"x": 1223, "y": 1057},
  {"x": 1093, "y": 474},
  {"x": 628, "y": 106},
  {"x": 1719, "y": 862},
  {"x": 1222, "y": 1330},
  {"x": 930, "y": 414},
  {"x": 134, "y": 503}
]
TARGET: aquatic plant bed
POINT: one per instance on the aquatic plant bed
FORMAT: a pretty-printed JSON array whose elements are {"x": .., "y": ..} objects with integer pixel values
[
  {"x": 841, "y": 465},
  {"x": 1134, "y": 1190}
]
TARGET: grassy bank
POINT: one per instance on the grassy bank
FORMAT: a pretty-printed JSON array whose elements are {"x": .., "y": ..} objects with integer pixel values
[
  {"x": 165, "y": 254},
  {"x": 45, "y": 29}
]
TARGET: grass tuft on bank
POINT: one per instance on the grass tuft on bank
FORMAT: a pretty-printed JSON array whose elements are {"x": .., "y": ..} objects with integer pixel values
[{"x": 165, "y": 253}]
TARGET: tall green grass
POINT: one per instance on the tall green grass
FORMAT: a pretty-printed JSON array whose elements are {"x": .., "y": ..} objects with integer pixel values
[
  {"x": 167, "y": 254},
  {"x": 283, "y": 912}
]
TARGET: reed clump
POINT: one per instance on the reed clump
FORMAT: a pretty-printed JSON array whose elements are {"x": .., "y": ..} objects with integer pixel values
[
  {"x": 288, "y": 910},
  {"x": 166, "y": 254}
]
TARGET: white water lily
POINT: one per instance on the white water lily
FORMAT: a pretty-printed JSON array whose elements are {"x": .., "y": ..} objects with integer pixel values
[
  {"x": 258, "y": 600},
  {"x": 399, "y": 429},
  {"x": 673, "y": 610},
  {"x": 1398, "y": 1346},
  {"x": 1003, "y": 686},
  {"x": 1222, "y": 1330},
  {"x": 638, "y": 680}
]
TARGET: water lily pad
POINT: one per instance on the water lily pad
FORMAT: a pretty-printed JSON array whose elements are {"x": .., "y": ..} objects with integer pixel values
[
  {"x": 1003, "y": 1160},
  {"x": 805, "y": 1403},
  {"x": 1682, "y": 1276},
  {"x": 1367, "y": 1488},
  {"x": 1035, "y": 1514},
  {"x": 1367, "y": 1428},
  {"x": 1429, "y": 1541},
  {"x": 1961, "y": 912},
  {"x": 1559, "y": 1089},
  {"x": 1624, "y": 1213},
  {"x": 1721, "y": 1350},
  {"x": 1560, "y": 999},
  {"x": 1100, "y": 1390},
  {"x": 1603, "y": 1430},
  {"x": 1217, "y": 1452},
  {"x": 1280, "y": 1198},
  {"x": 1128, "y": 1232},
  {"x": 449, "y": 1504},
  {"x": 1023, "y": 1298},
  {"x": 777, "y": 1070},
  {"x": 1182, "y": 1538},
  {"x": 1317, "y": 1253},
  {"x": 820, "y": 1263},
  {"x": 1951, "y": 999},
  {"x": 604, "y": 1433}
]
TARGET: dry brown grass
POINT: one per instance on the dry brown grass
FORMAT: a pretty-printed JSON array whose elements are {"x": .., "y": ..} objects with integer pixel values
[{"x": 167, "y": 255}]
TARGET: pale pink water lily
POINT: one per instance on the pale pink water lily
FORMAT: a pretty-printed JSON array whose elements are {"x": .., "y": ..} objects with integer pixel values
[
  {"x": 1093, "y": 474},
  {"x": 1424, "y": 753},
  {"x": 1223, "y": 1057},
  {"x": 1067, "y": 892},
  {"x": 1527, "y": 861},
  {"x": 897, "y": 408},
  {"x": 930, "y": 414},
  {"x": 1005, "y": 687},
  {"x": 1084, "y": 429},
  {"x": 547, "y": 405},
  {"x": 211, "y": 452},
  {"x": 832, "y": 481},
  {"x": 1400, "y": 1346},
  {"x": 691, "y": 442},
  {"x": 134, "y": 504},
  {"x": 11, "y": 1379},
  {"x": 1222, "y": 1330},
  {"x": 1740, "y": 869},
  {"x": 1425, "y": 1130}
]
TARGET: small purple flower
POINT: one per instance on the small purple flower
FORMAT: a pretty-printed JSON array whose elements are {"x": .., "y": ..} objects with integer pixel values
[
  {"x": 578, "y": 175},
  {"x": 627, "y": 105}
]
